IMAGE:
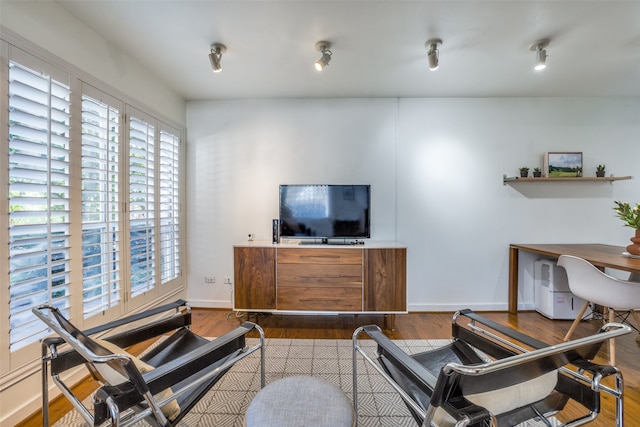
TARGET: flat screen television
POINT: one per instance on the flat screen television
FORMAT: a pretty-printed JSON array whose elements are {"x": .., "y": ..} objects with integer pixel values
[{"x": 325, "y": 211}]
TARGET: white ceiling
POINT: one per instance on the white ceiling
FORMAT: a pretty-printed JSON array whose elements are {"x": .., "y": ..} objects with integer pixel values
[{"x": 378, "y": 46}]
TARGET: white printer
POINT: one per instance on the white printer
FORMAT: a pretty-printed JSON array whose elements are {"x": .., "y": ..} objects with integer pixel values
[{"x": 552, "y": 296}]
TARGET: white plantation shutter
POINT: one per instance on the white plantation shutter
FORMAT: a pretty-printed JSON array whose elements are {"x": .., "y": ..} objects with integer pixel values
[
  {"x": 39, "y": 247},
  {"x": 101, "y": 219},
  {"x": 122, "y": 213},
  {"x": 169, "y": 205},
  {"x": 142, "y": 228}
]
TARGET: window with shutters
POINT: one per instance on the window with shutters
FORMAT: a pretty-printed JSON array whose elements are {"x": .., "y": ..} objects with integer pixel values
[
  {"x": 169, "y": 205},
  {"x": 101, "y": 219},
  {"x": 91, "y": 189},
  {"x": 142, "y": 228},
  {"x": 39, "y": 227}
]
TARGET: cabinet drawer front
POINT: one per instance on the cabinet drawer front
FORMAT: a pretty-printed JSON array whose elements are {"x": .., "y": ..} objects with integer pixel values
[
  {"x": 318, "y": 275},
  {"x": 320, "y": 256},
  {"x": 319, "y": 299}
]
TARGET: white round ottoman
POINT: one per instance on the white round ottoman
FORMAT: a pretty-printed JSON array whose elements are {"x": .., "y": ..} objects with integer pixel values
[{"x": 300, "y": 401}]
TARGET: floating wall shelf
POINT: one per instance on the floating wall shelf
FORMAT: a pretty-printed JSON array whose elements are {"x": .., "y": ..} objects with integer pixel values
[{"x": 515, "y": 179}]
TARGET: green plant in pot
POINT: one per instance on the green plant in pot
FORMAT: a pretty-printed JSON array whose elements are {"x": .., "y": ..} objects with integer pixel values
[
  {"x": 537, "y": 173},
  {"x": 630, "y": 215},
  {"x": 600, "y": 171},
  {"x": 524, "y": 172}
]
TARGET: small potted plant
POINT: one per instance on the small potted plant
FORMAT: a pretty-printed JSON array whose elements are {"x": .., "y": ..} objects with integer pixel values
[
  {"x": 600, "y": 171},
  {"x": 537, "y": 173},
  {"x": 524, "y": 172},
  {"x": 630, "y": 215}
]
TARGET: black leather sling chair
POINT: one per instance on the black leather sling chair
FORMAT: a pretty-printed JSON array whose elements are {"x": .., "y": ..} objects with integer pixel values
[
  {"x": 491, "y": 375},
  {"x": 162, "y": 385}
]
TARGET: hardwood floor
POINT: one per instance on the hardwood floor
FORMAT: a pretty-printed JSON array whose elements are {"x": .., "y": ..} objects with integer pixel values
[{"x": 211, "y": 323}]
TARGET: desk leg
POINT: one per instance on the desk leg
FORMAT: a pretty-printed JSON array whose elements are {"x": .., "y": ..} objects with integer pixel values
[{"x": 513, "y": 280}]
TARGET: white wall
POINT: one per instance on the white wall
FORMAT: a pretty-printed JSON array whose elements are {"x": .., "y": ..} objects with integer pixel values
[
  {"x": 435, "y": 167},
  {"x": 238, "y": 153},
  {"x": 57, "y": 32},
  {"x": 458, "y": 219}
]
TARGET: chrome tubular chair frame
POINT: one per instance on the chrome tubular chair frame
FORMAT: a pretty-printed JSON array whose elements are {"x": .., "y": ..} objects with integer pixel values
[
  {"x": 465, "y": 382},
  {"x": 182, "y": 367}
]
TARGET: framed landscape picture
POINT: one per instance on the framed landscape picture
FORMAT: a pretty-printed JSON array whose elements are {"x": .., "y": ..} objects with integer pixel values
[{"x": 563, "y": 164}]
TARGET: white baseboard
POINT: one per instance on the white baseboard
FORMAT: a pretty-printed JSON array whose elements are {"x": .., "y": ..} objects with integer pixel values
[
  {"x": 223, "y": 304},
  {"x": 474, "y": 307}
]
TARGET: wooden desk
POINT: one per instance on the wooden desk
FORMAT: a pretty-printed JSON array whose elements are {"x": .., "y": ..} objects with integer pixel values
[{"x": 599, "y": 255}]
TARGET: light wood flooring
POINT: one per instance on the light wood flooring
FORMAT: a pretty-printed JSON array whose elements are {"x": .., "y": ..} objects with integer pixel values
[{"x": 211, "y": 323}]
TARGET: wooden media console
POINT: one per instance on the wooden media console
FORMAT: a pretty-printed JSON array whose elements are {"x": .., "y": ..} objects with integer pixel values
[{"x": 355, "y": 279}]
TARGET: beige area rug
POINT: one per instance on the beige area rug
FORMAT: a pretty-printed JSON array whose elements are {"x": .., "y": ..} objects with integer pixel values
[{"x": 331, "y": 360}]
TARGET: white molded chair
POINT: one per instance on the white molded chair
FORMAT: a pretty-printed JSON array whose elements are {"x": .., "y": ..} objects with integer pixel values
[{"x": 594, "y": 286}]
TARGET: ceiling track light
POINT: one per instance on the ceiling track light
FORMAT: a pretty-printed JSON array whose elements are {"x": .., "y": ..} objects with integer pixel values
[
  {"x": 541, "y": 54},
  {"x": 217, "y": 49},
  {"x": 433, "y": 54},
  {"x": 323, "y": 47}
]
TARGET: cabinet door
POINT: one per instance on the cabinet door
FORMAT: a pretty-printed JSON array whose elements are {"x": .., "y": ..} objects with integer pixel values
[
  {"x": 385, "y": 280},
  {"x": 254, "y": 278}
]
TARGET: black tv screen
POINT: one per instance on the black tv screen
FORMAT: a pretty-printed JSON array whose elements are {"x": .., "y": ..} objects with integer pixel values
[{"x": 325, "y": 211}]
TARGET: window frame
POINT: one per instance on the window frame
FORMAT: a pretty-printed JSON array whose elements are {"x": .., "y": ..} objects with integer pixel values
[
  {"x": 16, "y": 364},
  {"x": 175, "y": 282},
  {"x": 19, "y": 56},
  {"x": 117, "y": 310},
  {"x": 149, "y": 294}
]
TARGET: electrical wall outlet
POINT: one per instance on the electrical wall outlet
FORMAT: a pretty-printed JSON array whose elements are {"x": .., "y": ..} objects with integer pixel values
[
  {"x": 227, "y": 280},
  {"x": 209, "y": 279}
]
